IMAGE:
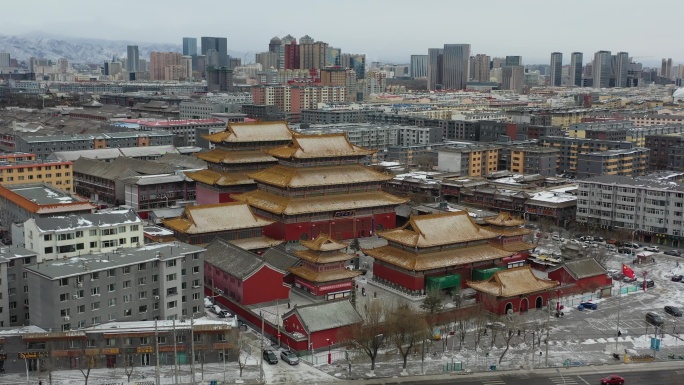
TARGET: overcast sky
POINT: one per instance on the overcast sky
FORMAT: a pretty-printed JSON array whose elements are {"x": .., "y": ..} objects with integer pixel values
[{"x": 384, "y": 30}]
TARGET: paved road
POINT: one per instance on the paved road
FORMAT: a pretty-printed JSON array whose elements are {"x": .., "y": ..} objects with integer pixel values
[{"x": 660, "y": 377}]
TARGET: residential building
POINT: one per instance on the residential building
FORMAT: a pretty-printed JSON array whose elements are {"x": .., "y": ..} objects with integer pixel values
[
  {"x": 468, "y": 160},
  {"x": 145, "y": 193},
  {"x": 162, "y": 65},
  {"x": 14, "y": 285},
  {"x": 312, "y": 54},
  {"x": 576, "y": 69},
  {"x": 410, "y": 135},
  {"x": 556, "y": 69},
  {"x": 513, "y": 61},
  {"x": 601, "y": 68},
  {"x": 533, "y": 160},
  {"x": 649, "y": 206},
  {"x": 73, "y": 235},
  {"x": 219, "y": 46},
  {"x": 481, "y": 71},
  {"x": 219, "y": 79},
  {"x": 620, "y": 69},
  {"x": 183, "y": 129},
  {"x": 21, "y": 202},
  {"x": 662, "y": 146},
  {"x": 557, "y": 205},
  {"x": 435, "y": 68},
  {"x": 570, "y": 148},
  {"x": 419, "y": 65},
  {"x": 20, "y": 168},
  {"x": 157, "y": 281},
  {"x": 513, "y": 78},
  {"x": 628, "y": 162}
]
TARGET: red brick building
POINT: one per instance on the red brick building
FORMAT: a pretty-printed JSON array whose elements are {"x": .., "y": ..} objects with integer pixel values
[
  {"x": 322, "y": 271},
  {"x": 239, "y": 150},
  {"x": 322, "y": 324},
  {"x": 582, "y": 276},
  {"x": 319, "y": 186},
  {"x": 514, "y": 290},
  {"x": 443, "y": 248}
]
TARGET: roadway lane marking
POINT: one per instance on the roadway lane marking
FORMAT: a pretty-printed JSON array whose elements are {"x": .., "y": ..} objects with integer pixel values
[
  {"x": 493, "y": 382},
  {"x": 563, "y": 380},
  {"x": 583, "y": 380}
]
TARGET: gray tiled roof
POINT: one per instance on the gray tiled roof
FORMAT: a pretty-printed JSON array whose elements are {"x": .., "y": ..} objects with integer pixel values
[
  {"x": 279, "y": 258},
  {"x": 656, "y": 181},
  {"x": 585, "y": 267},
  {"x": 184, "y": 161},
  {"x": 327, "y": 315},
  {"x": 88, "y": 220},
  {"x": 232, "y": 259}
]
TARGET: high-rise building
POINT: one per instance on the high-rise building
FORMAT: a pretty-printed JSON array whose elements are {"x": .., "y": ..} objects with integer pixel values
[
  {"x": 312, "y": 56},
  {"x": 275, "y": 45},
  {"x": 434, "y": 69},
  {"x": 419, "y": 66},
  {"x": 576, "y": 69},
  {"x": 357, "y": 62},
  {"x": 513, "y": 78},
  {"x": 190, "y": 46},
  {"x": 306, "y": 39},
  {"x": 186, "y": 64},
  {"x": 267, "y": 60},
  {"x": 333, "y": 57},
  {"x": 219, "y": 79},
  {"x": 556, "y": 69},
  {"x": 621, "y": 63},
  {"x": 220, "y": 46},
  {"x": 481, "y": 71},
  {"x": 159, "y": 61},
  {"x": 665, "y": 68},
  {"x": 291, "y": 55},
  {"x": 498, "y": 62},
  {"x": 514, "y": 60},
  {"x": 601, "y": 69},
  {"x": 132, "y": 58},
  {"x": 455, "y": 66},
  {"x": 5, "y": 59}
]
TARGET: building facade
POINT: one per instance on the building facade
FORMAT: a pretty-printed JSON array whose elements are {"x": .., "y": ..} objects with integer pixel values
[
  {"x": 631, "y": 162},
  {"x": 19, "y": 168}
]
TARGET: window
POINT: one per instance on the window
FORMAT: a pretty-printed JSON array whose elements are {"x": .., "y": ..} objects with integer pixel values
[
  {"x": 155, "y": 306},
  {"x": 155, "y": 278},
  {"x": 94, "y": 276},
  {"x": 95, "y": 291},
  {"x": 12, "y": 291},
  {"x": 64, "y": 282},
  {"x": 195, "y": 256},
  {"x": 128, "y": 298},
  {"x": 195, "y": 296},
  {"x": 144, "y": 340},
  {"x": 74, "y": 344},
  {"x": 142, "y": 281},
  {"x": 91, "y": 344},
  {"x": 180, "y": 338},
  {"x": 142, "y": 295},
  {"x": 79, "y": 234},
  {"x": 93, "y": 245},
  {"x": 171, "y": 291},
  {"x": 80, "y": 294},
  {"x": 196, "y": 283},
  {"x": 127, "y": 341},
  {"x": 182, "y": 272},
  {"x": 109, "y": 243},
  {"x": 128, "y": 312},
  {"x": 126, "y": 269},
  {"x": 142, "y": 266},
  {"x": 95, "y": 305},
  {"x": 108, "y": 232},
  {"x": 111, "y": 287},
  {"x": 80, "y": 309},
  {"x": 96, "y": 320},
  {"x": 122, "y": 229},
  {"x": 25, "y": 289},
  {"x": 195, "y": 270},
  {"x": 65, "y": 237},
  {"x": 142, "y": 309},
  {"x": 47, "y": 237},
  {"x": 127, "y": 284},
  {"x": 134, "y": 240},
  {"x": 161, "y": 339},
  {"x": 171, "y": 304},
  {"x": 170, "y": 277},
  {"x": 93, "y": 233},
  {"x": 64, "y": 297},
  {"x": 111, "y": 302},
  {"x": 49, "y": 250},
  {"x": 134, "y": 227},
  {"x": 111, "y": 273},
  {"x": 64, "y": 312},
  {"x": 171, "y": 263},
  {"x": 122, "y": 241},
  {"x": 110, "y": 342}
]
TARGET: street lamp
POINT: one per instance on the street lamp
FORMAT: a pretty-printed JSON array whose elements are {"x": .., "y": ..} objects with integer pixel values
[
  {"x": 329, "y": 354},
  {"x": 618, "y": 316}
]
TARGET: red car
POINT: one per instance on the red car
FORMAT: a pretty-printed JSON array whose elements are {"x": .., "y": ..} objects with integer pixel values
[{"x": 613, "y": 379}]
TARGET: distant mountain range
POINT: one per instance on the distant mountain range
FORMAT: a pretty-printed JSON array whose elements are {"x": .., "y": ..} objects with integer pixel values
[{"x": 79, "y": 50}]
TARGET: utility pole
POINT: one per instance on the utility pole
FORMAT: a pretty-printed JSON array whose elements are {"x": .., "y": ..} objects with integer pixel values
[
  {"x": 156, "y": 353},
  {"x": 618, "y": 316},
  {"x": 192, "y": 348},
  {"x": 261, "y": 364},
  {"x": 548, "y": 319},
  {"x": 175, "y": 354}
]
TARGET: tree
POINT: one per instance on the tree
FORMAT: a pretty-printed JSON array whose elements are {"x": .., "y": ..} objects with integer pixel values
[
  {"x": 406, "y": 327},
  {"x": 513, "y": 326},
  {"x": 85, "y": 364},
  {"x": 128, "y": 366},
  {"x": 241, "y": 363},
  {"x": 433, "y": 301},
  {"x": 369, "y": 336}
]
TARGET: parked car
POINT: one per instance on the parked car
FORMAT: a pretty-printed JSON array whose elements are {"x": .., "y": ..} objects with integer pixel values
[
  {"x": 289, "y": 357},
  {"x": 611, "y": 272},
  {"x": 654, "y": 249},
  {"x": 677, "y": 278},
  {"x": 556, "y": 237},
  {"x": 587, "y": 305},
  {"x": 627, "y": 279},
  {"x": 649, "y": 283},
  {"x": 675, "y": 253},
  {"x": 654, "y": 318},
  {"x": 612, "y": 242},
  {"x": 270, "y": 357},
  {"x": 673, "y": 311},
  {"x": 613, "y": 379},
  {"x": 630, "y": 245}
]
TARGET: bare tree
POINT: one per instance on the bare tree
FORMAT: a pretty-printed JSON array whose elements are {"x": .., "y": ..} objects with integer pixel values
[
  {"x": 85, "y": 364},
  {"x": 406, "y": 327},
  {"x": 513, "y": 325},
  {"x": 462, "y": 320},
  {"x": 369, "y": 336},
  {"x": 479, "y": 322},
  {"x": 128, "y": 366},
  {"x": 242, "y": 363}
]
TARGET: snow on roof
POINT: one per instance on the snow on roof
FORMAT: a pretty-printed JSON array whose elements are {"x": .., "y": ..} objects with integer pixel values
[
  {"x": 553, "y": 197},
  {"x": 144, "y": 326}
]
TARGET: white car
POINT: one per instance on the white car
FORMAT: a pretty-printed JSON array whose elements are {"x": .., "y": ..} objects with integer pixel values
[
  {"x": 555, "y": 237},
  {"x": 654, "y": 249}
]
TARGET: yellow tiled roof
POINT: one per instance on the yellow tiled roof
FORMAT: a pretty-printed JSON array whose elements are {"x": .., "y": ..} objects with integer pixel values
[
  {"x": 201, "y": 219},
  {"x": 319, "y": 146},
  {"x": 513, "y": 282},
  {"x": 256, "y": 243},
  {"x": 436, "y": 260},
  {"x": 215, "y": 178},
  {"x": 438, "y": 229},
  {"x": 323, "y": 276},
  {"x": 285, "y": 176},
  {"x": 510, "y": 231},
  {"x": 322, "y": 256},
  {"x": 277, "y": 204},
  {"x": 505, "y": 219},
  {"x": 247, "y": 132},
  {"x": 219, "y": 155},
  {"x": 517, "y": 246},
  {"x": 323, "y": 242}
]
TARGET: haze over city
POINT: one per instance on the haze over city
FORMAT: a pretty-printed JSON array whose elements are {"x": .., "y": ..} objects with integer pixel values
[{"x": 383, "y": 30}]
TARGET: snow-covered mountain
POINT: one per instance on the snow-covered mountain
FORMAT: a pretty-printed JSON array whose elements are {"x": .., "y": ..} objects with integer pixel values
[{"x": 78, "y": 50}]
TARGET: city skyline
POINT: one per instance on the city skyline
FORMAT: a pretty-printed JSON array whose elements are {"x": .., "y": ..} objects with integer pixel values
[{"x": 378, "y": 40}]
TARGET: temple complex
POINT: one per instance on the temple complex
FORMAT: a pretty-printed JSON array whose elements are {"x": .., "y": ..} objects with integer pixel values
[
  {"x": 322, "y": 271},
  {"x": 442, "y": 251},
  {"x": 320, "y": 186},
  {"x": 238, "y": 150}
]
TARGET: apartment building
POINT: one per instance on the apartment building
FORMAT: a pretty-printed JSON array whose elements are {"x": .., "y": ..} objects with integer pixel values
[
  {"x": 651, "y": 206},
  {"x": 183, "y": 129},
  {"x": 153, "y": 282},
  {"x": 662, "y": 147},
  {"x": 19, "y": 168},
  {"x": 14, "y": 302},
  {"x": 570, "y": 148},
  {"x": 532, "y": 160},
  {"x": 74, "y": 235},
  {"x": 469, "y": 160},
  {"x": 640, "y": 120},
  {"x": 628, "y": 162}
]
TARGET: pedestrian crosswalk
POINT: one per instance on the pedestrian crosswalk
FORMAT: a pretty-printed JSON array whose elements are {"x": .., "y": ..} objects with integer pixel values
[
  {"x": 567, "y": 380},
  {"x": 493, "y": 381}
]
